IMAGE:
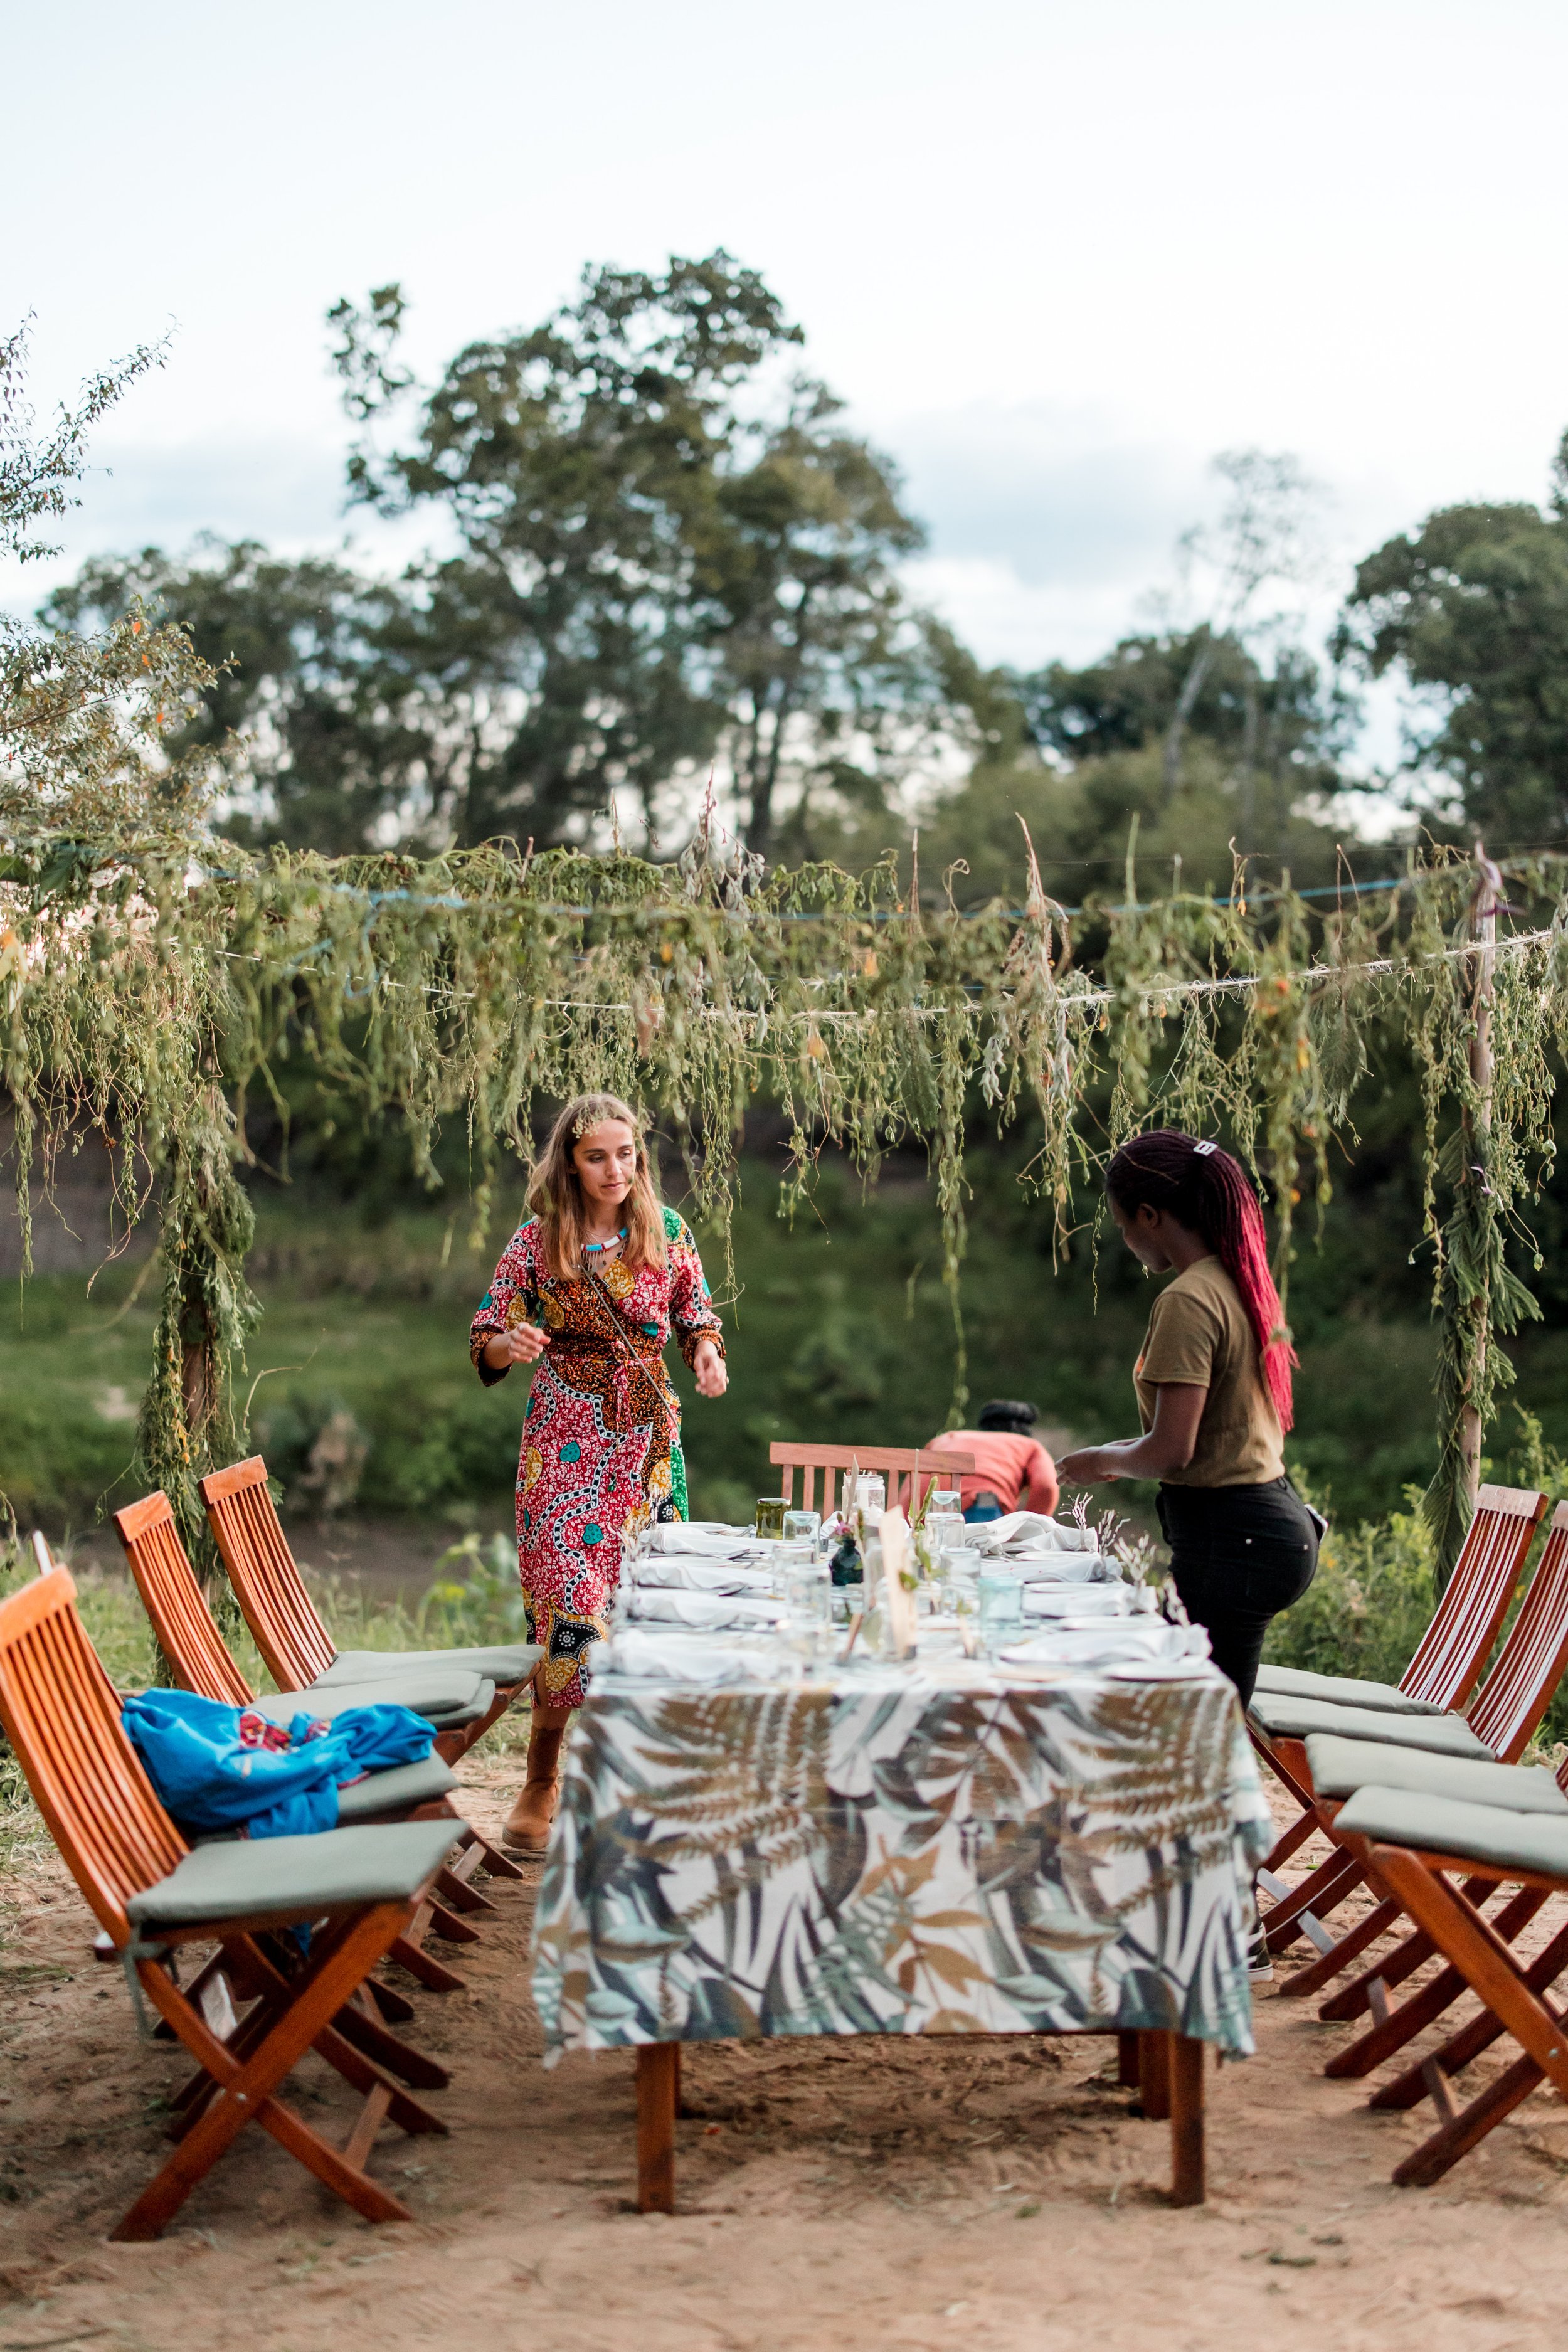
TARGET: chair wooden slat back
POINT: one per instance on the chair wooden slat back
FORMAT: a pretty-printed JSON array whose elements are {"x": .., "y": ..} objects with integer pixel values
[
  {"x": 186, "y": 1630},
  {"x": 1521, "y": 1686},
  {"x": 1457, "y": 1642},
  {"x": 909, "y": 1471},
  {"x": 61, "y": 1716},
  {"x": 268, "y": 1584}
]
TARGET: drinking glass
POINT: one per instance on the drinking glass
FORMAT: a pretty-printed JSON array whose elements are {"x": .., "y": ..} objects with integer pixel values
[
  {"x": 1001, "y": 1608},
  {"x": 770, "y": 1520},
  {"x": 870, "y": 1496},
  {"x": 945, "y": 1499},
  {"x": 945, "y": 1529},
  {"x": 802, "y": 1527}
]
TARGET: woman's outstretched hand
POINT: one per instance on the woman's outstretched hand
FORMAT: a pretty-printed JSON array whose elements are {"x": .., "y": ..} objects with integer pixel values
[
  {"x": 712, "y": 1372},
  {"x": 1092, "y": 1466},
  {"x": 524, "y": 1344}
]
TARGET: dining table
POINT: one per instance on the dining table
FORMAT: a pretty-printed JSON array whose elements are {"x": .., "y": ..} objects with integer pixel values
[{"x": 1050, "y": 1841}]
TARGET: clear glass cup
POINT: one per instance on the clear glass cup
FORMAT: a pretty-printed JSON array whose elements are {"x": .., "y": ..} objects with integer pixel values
[
  {"x": 769, "y": 1518},
  {"x": 870, "y": 1497},
  {"x": 802, "y": 1527},
  {"x": 945, "y": 1530},
  {"x": 945, "y": 1499},
  {"x": 808, "y": 1593},
  {"x": 1001, "y": 1608}
]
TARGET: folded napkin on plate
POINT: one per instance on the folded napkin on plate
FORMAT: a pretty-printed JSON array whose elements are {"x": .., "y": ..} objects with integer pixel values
[
  {"x": 690, "y": 1572},
  {"x": 707, "y": 1537},
  {"x": 711, "y": 1612},
  {"x": 647, "y": 1656},
  {"x": 1077, "y": 1600},
  {"x": 1119, "y": 1641},
  {"x": 1060, "y": 1567},
  {"x": 1028, "y": 1531}
]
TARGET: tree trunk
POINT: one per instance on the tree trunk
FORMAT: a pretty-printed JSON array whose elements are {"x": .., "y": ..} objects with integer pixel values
[{"x": 1187, "y": 703}]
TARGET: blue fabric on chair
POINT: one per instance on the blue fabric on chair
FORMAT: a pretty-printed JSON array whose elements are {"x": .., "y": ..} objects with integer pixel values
[{"x": 221, "y": 1767}]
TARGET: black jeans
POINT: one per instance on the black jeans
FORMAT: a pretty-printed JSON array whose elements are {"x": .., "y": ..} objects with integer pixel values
[{"x": 1238, "y": 1556}]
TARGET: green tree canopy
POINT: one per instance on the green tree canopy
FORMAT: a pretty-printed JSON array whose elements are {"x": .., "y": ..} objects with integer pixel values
[{"x": 1474, "y": 608}]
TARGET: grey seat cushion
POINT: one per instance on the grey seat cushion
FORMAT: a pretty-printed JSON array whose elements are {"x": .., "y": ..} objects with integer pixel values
[
  {"x": 293, "y": 1880},
  {"x": 1341, "y": 1690},
  {"x": 1438, "y": 1735},
  {"x": 402, "y": 1788},
  {"x": 504, "y": 1663},
  {"x": 1447, "y": 1825},
  {"x": 1341, "y": 1767},
  {"x": 449, "y": 1700}
]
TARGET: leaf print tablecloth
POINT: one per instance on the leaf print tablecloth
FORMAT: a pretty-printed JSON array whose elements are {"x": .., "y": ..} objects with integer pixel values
[{"x": 895, "y": 1854}]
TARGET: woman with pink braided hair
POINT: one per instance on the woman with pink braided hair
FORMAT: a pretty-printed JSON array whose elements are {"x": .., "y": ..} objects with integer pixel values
[{"x": 1213, "y": 1395}]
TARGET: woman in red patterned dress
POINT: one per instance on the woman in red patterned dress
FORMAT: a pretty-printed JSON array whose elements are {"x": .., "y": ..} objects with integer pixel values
[{"x": 588, "y": 1291}]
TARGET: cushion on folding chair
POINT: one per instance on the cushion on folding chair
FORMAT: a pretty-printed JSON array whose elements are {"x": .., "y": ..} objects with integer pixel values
[
  {"x": 1440, "y": 1735},
  {"x": 1446, "y": 1825},
  {"x": 1341, "y": 1690},
  {"x": 506, "y": 1664},
  {"x": 449, "y": 1700},
  {"x": 404, "y": 1786},
  {"x": 1339, "y": 1767},
  {"x": 296, "y": 1879}
]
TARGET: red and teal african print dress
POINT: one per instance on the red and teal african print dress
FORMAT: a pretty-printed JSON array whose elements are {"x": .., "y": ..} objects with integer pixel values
[{"x": 601, "y": 1443}]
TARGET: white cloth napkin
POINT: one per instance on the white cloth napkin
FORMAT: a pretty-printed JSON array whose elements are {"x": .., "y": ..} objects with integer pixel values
[
  {"x": 707, "y": 1537},
  {"x": 709, "y": 1612},
  {"x": 1028, "y": 1531},
  {"x": 1122, "y": 1642},
  {"x": 1077, "y": 1600},
  {"x": 690, "y": 1572},
  {"x": 644, "y": 1654}
]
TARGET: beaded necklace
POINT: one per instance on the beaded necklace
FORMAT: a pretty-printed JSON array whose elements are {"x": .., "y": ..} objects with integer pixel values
[{"x": 595, "y": 1249}]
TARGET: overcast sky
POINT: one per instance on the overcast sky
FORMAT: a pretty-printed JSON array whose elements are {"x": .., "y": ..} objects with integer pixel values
[{"x": 1056, "y": 255}]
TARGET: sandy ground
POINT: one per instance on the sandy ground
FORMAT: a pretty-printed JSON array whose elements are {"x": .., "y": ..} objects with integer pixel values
[{"x": 895, "y": 2194}]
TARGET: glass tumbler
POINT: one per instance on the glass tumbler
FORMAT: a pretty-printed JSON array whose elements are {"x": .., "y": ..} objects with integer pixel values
[
  {"x": 770, "y": 1520},
  {"x": 1001, "y": 1608},
  {"x": 802, "y": 1527}
]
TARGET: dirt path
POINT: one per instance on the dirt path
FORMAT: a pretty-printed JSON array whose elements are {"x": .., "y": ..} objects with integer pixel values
[{"x": 898, "y": 2194}]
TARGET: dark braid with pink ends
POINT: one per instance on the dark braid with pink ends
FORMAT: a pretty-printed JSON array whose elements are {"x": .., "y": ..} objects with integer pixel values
[{"x": 1207, "y": 1191}]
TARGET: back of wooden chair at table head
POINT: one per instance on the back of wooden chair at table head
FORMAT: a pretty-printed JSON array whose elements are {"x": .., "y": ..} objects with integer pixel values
[
  {"x": 1457, "y": 1642},
  {"x": 61, "y": 1716},
  {"x": 268, "y": 1584},
  {"x": 186, "y": 1630},
  {"x": 908, "y": 1470}
]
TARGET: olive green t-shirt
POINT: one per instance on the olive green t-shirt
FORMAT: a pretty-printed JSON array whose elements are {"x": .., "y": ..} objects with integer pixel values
[{"x": 1199, "y": 1335}]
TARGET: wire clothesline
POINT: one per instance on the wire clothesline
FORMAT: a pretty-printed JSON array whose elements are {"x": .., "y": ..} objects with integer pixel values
[{"x": 1150, "y": 990}]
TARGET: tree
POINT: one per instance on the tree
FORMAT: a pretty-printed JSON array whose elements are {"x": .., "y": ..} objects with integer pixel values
[
  {"x": 1473, "y": 608},
  {"x": 679, "y": 558},
  {"x": 325, "y": 749},
  {"x": 1262, "y": 536}
]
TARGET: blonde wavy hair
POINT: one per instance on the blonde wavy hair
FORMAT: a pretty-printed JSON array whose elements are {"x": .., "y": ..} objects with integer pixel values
[{"x": 555, "y": 1192}]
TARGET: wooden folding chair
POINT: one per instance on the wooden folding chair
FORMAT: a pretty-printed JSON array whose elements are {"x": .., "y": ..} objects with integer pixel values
[
  {"x": 288, "y": 1632},
  {"x": 1417, "y": 1846},
  {"x": 909, "y": 1471},
  {"x": 356, "y": 1890},
  {"x": 1504, "y": 1719},
  {"x": 201, "y": 1660},
  {"x": 1439, "y": 1678}
]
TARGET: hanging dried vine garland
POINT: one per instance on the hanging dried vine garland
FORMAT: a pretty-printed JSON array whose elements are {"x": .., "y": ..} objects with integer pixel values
[{"x": 152, "y": 980}]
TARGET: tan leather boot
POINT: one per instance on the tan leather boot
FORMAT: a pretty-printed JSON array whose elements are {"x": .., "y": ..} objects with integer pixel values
[{"x": 527, "y": 1827}]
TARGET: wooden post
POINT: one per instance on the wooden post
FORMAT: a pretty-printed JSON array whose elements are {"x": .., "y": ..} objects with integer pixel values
[
  {"x": 1478, "y": 1126},
  {"x": 1154, "y": 2075},
  {"x": 1186, "y": 2079},
  {"x": 658, "y": 2073},
  {"x": 1127, "y": 2061}
]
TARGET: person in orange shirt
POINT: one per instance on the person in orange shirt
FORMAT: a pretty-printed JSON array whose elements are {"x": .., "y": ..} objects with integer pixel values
[{"x": 1013, "y": 1471}]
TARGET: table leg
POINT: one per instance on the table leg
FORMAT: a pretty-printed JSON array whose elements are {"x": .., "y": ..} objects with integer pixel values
[
  {"x": 1186, "y": 2107},
  {"x": 1154, "y": 2075},
  {"x": 658, "y": 2075},
  {"x": 1127, "y": 2061}
]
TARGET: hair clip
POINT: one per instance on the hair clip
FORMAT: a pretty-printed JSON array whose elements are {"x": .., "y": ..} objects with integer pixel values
[{"x": 1202, "y": 1149}]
